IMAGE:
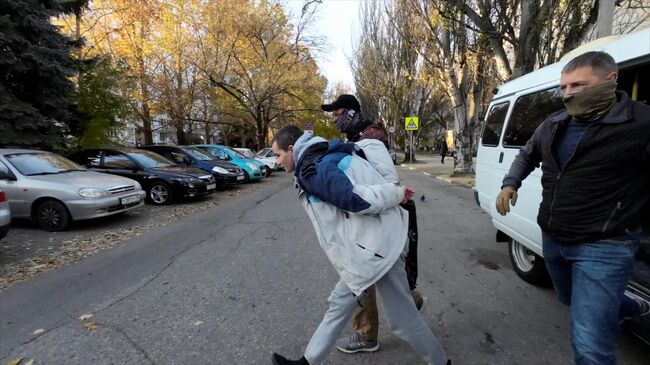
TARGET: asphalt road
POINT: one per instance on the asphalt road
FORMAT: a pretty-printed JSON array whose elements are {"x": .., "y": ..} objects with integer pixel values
[{"x": 247, "y": 277}]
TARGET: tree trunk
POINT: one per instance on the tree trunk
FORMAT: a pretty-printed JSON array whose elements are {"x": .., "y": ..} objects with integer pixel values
[
  {"x": 605, "y": 18},
  {"x": 463, "y": 156}
]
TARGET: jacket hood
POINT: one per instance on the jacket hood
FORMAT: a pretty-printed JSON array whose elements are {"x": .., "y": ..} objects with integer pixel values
[{"x": 303, "y": 143}]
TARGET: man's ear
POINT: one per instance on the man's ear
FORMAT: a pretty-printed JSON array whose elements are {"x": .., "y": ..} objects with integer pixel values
[
  {"x": 612, "y": 76},
  {"x": 290, "y": 148}
]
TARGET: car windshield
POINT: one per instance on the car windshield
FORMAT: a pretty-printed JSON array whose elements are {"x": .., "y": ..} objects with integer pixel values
[
  {"x": 235, "y": 152},
  {"x": 149, "y": 159},
  {"x": 30, "y": 164},
  {"x": 197, "y": 154},
  {"x": 263, "y": 152},
  {"x": 246, "y": 152}
]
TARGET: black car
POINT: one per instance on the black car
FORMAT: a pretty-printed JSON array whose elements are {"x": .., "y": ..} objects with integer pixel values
[
  {"x": 225, "y": 173},
  {"x": 160, "y": 178}
]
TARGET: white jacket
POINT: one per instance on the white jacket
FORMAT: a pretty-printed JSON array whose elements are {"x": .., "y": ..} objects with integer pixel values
[{"x": 353, "y": 204}]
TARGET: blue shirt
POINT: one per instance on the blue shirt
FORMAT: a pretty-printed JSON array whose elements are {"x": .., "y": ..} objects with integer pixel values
[{"x": 568, "y": 141}]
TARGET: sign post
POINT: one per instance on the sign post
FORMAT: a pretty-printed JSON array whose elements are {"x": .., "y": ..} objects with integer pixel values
[{"x": 411, "y": 124}]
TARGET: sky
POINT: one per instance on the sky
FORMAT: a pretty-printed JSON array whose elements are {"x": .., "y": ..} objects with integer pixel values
[{"x": 338, "y": 22}]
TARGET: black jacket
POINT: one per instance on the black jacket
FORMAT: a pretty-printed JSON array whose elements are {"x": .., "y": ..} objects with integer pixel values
[{"x": 601, "y": 192}]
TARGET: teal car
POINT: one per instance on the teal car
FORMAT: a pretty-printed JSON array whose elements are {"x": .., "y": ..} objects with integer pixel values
[{"x": 253, "y": 169}]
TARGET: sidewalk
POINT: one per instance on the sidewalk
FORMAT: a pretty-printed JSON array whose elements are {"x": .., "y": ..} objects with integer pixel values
[{"x": 430, "y": 165}]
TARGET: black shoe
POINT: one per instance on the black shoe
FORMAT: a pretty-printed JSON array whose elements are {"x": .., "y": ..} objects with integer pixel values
[{"x": 280, "y": 360}]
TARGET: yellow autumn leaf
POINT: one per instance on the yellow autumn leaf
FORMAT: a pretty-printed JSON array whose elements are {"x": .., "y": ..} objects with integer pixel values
[
  {"x": 90, "y": 325},
  {"x": 15, "y": 361},
  {"x": 38, "y": 331},
  {"x": 30, "y": 362}
]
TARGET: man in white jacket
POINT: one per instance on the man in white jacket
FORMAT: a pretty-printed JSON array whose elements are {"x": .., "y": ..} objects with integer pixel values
[{"x": 363, "y": 231}]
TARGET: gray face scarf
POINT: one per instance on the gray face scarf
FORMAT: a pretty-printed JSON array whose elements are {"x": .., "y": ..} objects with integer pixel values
[
  {"x": 347, "y": 121},
  {"x": 592, "y": 102}
]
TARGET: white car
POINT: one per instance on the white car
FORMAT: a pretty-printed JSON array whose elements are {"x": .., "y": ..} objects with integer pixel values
[
  {"x": 5, "y": 215},
  {"x": 267, "y": 156}
]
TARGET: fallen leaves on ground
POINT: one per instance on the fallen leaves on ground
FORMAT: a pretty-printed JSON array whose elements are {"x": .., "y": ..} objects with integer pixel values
[{"x": 81, "y": 247}]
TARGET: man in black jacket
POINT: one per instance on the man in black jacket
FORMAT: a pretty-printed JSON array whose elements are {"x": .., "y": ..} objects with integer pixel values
[{"x": 595, "y": 158}]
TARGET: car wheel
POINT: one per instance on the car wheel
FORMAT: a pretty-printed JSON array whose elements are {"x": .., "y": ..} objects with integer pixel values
[
  {"x": 52, "y": 216},
  {"x": 160, "y": 193},
  {"x": 247, "y": 177},
  {"x": 528, "y": 265},
  {"x": 267, "y": 171}
]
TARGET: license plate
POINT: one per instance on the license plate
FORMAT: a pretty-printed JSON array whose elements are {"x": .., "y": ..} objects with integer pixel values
[
  {"x": 130, "y": 199},
  {"x": 212, "y": 186},
  {"x": 240, "y": 177}
]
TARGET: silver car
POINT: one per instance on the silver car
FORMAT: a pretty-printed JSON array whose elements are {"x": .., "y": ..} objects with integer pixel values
[
  {"x": 5, "y": 215},
  {"x": 54, "y": 191}
]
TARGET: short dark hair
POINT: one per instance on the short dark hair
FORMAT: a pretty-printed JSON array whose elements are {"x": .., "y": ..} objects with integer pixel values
[
  {"x": 286, "y": 136},
  {"x": 601, "y": 63}
]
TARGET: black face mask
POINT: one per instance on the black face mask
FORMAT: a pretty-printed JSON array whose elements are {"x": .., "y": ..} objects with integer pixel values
[{"x": 347, "y": 121}]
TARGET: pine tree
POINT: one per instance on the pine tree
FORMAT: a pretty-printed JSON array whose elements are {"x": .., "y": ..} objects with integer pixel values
[{"x": 35, "y": 70}]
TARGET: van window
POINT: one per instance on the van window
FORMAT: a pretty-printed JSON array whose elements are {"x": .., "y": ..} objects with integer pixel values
[
  {"x": 633, "y": 81},
  {"x": 494, "y": 124},
  {"x": 529, "y": 112}
]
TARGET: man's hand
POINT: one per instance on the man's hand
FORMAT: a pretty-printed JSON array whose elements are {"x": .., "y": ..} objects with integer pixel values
[
  {"x": 507, "y": 196},
  {"x": 409, "y": 193}
]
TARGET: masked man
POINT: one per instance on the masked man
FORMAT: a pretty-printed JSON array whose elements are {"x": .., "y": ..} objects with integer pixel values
[{"x": 595, "y": 158}]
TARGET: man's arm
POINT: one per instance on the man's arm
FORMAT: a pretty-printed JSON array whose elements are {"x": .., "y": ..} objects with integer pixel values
[
  {"x": 334, "y": 186},
  {"x": 527, "y": 160}
]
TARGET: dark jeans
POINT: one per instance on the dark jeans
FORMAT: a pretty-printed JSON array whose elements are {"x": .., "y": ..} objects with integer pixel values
[{"x": 591, "y": 277}]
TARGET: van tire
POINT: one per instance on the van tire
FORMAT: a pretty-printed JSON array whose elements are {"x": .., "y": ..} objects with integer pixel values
[{"x": 528, "y": 265}]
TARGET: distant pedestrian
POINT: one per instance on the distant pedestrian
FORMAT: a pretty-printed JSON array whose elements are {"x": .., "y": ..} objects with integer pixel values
[
  {"x": 595, "y": 160},
  {"x": 363, "y": 232},
  {"x": 443, "y": 151},
  {"x": 346, "y": 113}
]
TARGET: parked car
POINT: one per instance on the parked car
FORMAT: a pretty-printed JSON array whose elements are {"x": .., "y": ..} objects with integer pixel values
[
  {"x": 54, "y": 191},
  {"x": 163, "y": 181},
  {"x": 5, "y": 215},
  {"x": 225, "y": 173},
  {"x": 515, "y": 112},
  {"x": 266, "y": 156},
  {"x": 252, "y": 169},
  {"x": 248, "y": 153}
]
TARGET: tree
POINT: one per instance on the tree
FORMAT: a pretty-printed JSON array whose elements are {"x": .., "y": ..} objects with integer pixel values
[
  {"x": 101, "y": 107},
  {"x": 35, "y": 70},
  {"x": 269, "y": 72}
]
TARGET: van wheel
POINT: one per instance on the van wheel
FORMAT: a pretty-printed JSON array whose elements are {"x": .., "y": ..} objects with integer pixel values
[{"x": 528, "y": 265}]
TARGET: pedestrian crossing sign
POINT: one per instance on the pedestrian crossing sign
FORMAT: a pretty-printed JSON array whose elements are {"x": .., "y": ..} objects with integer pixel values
[{"x": 411, "y": 123}]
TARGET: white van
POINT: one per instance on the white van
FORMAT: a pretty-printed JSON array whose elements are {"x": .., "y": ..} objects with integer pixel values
[{"x": 515, "y": 112}]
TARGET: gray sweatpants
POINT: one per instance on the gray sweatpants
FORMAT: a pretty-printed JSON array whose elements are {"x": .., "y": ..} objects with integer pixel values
[{"x": 398, "y": 307}]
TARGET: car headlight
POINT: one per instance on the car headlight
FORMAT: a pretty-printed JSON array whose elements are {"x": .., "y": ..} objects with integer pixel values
[
  {"x": 252, "y": 166},
  {"x": 189, "y": 181},
  {"x": 219, "y": 170},
  {"x": 92, "y": 193}
]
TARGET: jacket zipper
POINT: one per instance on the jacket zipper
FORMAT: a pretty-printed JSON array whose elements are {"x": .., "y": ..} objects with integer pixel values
[
  {"x": 559, "y": 175},
  {"x": 611, "y": 216}
]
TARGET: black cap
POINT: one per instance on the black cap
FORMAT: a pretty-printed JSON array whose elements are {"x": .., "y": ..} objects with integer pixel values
[{"x": 344, "y": 101}]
